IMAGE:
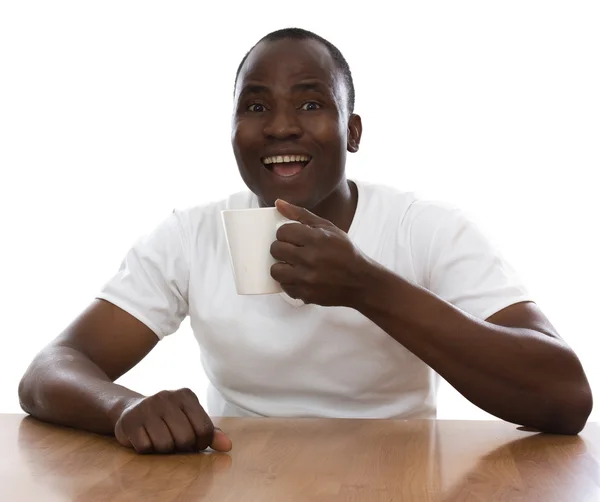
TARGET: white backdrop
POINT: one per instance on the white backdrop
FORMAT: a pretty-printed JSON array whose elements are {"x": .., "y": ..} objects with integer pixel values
[{"x": 113, "y": 113}]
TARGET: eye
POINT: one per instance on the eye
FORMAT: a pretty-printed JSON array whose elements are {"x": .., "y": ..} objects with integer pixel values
[
  {"x": 256, "y": 107},
  {"x": 311, "y": 106}
]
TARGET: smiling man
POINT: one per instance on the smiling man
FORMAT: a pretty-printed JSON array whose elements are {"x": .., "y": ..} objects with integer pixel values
[
  {"x": 293, "y": 124},
  {"x": 383, "y": 293}
]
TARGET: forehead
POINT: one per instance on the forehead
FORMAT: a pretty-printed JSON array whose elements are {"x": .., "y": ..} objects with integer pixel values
[{"x": 286, "y": 61}]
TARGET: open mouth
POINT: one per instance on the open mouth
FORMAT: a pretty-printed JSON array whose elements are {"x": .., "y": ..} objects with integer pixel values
[{"x": 286, "y": 166}]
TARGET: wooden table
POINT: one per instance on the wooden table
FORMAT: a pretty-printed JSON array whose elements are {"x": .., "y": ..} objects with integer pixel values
[{"x": 307, "y": 460}]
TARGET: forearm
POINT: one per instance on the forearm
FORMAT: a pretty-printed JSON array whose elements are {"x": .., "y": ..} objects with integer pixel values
[
  {"x": 519, "y": 375},
  {"x": 63, "y": 386}
]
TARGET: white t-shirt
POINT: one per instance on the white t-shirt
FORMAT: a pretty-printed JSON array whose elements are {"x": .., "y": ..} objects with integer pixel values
[{"x": 271, "y": 356}]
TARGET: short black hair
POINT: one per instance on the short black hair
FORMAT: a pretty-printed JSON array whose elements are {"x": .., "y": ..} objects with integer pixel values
[{"x": 300, "y": 34}]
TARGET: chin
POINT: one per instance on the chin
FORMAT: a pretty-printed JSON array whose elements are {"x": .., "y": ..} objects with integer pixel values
[{"x": 267, "y": 198}]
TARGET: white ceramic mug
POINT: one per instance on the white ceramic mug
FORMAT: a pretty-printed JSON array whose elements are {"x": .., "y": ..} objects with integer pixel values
[{"x": 250, "y": 233}]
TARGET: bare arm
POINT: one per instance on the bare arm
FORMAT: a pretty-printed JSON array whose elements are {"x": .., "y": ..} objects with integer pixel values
[
  {"x": 514, "y": 365},
  {"x": 70, "y": 382}
]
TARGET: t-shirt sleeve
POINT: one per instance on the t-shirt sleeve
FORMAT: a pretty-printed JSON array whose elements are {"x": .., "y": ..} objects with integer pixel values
[
  {"x": 152, "y": 281},
  {"x": 459, "y": 264}
]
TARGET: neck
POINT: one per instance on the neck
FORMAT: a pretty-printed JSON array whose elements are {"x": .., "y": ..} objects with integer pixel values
[{"x": 340, "y": 206}]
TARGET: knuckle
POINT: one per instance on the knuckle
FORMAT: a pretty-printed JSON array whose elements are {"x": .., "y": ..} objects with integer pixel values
[
  {"x": 186, "y": 392},
  {"x": 187, "y": 396},
  {"x": 163, "y": 395},
  {"x": 325, "y": 237},
  {"x": 206, "y": 425},
  {"x": 158, "y": 404},
  {"x": 203, "y": 441},
  {"x": 161, "y": 401},
  {"x": 143, "y": 446},
  {"x": 187, "y": 444}
]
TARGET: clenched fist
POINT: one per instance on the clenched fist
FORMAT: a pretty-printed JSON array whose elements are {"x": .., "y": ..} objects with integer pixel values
[{"x": 170, "y": 421}]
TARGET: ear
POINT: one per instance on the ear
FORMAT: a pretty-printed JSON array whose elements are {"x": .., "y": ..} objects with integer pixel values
[{"x": 354, "y": 133}]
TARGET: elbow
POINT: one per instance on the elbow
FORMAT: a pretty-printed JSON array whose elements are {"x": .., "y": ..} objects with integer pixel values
[
  {"x": 35, "y": 385},
  {"x": 30, "y": 388},
  {"x": 572, "y": 413},
  {"x": 25, "y": 394},
  {"x": 581, "y": 411}
]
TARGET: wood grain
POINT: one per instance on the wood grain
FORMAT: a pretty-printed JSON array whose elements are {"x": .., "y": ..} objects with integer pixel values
[{"x": 307, "y": 460}]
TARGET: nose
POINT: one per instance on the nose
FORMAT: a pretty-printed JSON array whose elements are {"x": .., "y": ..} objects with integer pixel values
[{"x": 283, "y": 124}]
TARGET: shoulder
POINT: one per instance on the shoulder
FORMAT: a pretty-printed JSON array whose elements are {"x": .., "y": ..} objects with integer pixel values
[
  {"x": 413, "y": 212},
  {"x": 431, "y": 216},
  {"x": 376, "y": 194}
]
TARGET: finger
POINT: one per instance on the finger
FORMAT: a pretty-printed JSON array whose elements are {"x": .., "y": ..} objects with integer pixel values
[
  {"x": 140, "y": 440},
  {"x": 300, "y": 214},
  {"x": 284, "y": 273},
  {"x": 160, "y": 435},
  {"x": 121, "y": 436},
  {"x": 221, "y": 441},
  {"x": 299, "y": 235},
  {"x": 294, "y": 291},
  {"x": 181, "y": 429},
  {"x": 285, "y": 252},
  {"x": 200, "y": 421}
]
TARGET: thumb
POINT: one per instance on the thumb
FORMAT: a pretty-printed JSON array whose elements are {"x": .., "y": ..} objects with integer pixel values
[
  {"x": 220, "y": 441},
  {"x": 300, "y": 214}
]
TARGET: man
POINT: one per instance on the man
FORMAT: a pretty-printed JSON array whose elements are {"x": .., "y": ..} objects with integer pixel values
[{"x": 383, "y": 293}]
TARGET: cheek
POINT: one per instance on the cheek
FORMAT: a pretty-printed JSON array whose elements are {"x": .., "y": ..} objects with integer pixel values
[
  {"x": 329, "y": 133},
  {"x": 243, "y": 135}
]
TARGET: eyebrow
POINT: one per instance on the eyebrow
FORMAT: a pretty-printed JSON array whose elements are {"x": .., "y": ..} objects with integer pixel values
[
  {"x": 302, "y": 86},
  {"x": 254, "y": 89},
  {"x": 311, "y": 86}
]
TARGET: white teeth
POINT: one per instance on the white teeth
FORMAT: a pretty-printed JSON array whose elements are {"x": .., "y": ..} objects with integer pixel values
[{"x": 279, "y": 159}]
